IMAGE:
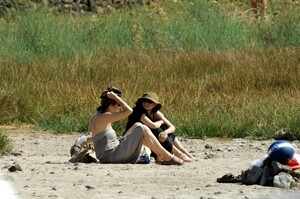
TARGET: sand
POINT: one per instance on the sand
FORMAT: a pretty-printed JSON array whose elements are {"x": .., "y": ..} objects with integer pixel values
[{"x": 47, "y": 173}]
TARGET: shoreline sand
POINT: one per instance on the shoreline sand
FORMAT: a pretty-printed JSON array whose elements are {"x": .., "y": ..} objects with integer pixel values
[{"x": 47, "y": 173}]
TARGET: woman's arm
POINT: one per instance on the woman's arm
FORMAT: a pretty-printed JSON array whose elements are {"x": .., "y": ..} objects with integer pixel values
[
  {"x": 116, "y": 116},
  {"x": 152, "y": 125},
  {"x": 101, "y": 122},
  {"x": 171, "y": 128}
]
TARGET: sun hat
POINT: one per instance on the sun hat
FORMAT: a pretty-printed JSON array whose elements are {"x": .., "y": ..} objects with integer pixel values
[
  {"x": 153, "y": 97},
  {"x": 281, "y": 151}
]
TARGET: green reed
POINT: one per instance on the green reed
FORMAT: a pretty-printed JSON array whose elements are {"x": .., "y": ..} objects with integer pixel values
[
  {"x": 216, "y": 75},
  {"x": 32, "y": 35},
  {"x": 5, "y": 144}
]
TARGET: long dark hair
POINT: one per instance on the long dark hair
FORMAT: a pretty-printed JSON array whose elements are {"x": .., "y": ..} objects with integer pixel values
[
  {"x": 137, "y": 113},
  {"x": 139, "y": 107},
  {"x": 105, "y": 101}
]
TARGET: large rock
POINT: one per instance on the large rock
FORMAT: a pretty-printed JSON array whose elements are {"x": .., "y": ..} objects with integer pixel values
[
  {"x": 277, "y": 168},
  {"x": 266, "y": 176},
  {"x": 283, "y": 180},
  {"x": 252, "y": 176}
]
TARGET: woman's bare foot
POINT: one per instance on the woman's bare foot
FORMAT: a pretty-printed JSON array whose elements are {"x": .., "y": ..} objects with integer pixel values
[
  {"x": 185, "y": 158},
  {"x": 173, "y": 161}
]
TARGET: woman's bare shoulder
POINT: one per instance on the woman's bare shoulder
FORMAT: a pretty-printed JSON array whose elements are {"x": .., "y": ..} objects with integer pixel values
[{"x": 159, "y": 114}]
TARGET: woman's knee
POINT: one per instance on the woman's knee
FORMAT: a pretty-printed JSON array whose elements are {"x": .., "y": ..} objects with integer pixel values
[
  {"x": 137, "y": 124},
  {"x": 146, "y": 129}
]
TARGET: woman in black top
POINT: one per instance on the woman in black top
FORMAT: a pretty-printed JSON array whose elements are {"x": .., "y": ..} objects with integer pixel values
[{"x": 147, "y": 112}]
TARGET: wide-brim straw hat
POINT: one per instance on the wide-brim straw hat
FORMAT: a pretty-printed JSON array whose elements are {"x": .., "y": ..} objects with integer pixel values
[{"x": 153, "y": 97}]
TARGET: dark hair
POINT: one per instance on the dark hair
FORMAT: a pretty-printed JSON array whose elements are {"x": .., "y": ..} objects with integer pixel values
[
  {"x": 137, "y": 113},
  {"x": 140, "y": 108},
  {"x": 105, "y": 101},
  {"x": 109, "y": 89}
]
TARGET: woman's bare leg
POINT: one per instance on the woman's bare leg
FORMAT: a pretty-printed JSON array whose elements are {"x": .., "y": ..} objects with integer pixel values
[
  {"x": 256, "y": 6},
  {"x": 178, "y": 145},
  {"x": 181, "y": 155},
  {"x": 133, "y": 127},
  {"x": 264, "y": 7},
  {"x": 152, "y": 142}
]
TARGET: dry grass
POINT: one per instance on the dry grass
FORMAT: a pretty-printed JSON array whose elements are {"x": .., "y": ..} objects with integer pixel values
[
  {"x": 238, "y": 89},
  {"x": 224, "y": 89}
]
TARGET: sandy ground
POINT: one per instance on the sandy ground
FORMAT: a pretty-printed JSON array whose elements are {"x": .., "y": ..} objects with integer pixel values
[{"x": 47, "y": 173}]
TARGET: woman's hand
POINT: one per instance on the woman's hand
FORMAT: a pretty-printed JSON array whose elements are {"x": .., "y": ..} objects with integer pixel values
[
  {"x": 161, "y": 122},
  {"x": 112, "y": 95},
  {"x": 162, "y": 136}
]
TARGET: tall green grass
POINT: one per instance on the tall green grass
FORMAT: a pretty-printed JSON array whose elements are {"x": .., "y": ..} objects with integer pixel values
[
  {"x": 38, "y": 34},
  {"x": 41, "y": 35},
  {"x": 215, "y": 74},
  {"x": 5, "y": 144}
]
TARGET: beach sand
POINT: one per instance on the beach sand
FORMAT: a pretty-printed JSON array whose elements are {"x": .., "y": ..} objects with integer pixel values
[{"x": 47, "y": 172}]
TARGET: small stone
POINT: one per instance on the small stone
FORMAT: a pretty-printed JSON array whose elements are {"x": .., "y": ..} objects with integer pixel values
[
  {"x": 15, "y": 168},
  {"x": 16, "y": 154},
  {"x": 89, "y": 187},
  {"x": 295, "y": 174},
  {"x": 295, "y": 185},
  {"x": 210, "y": 156}
]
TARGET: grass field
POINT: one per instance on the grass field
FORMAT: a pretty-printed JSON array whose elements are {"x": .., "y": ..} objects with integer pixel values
[{"x": 218, "y": 69}]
